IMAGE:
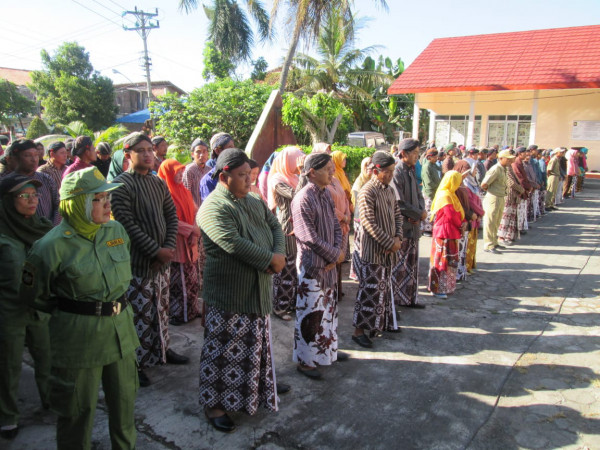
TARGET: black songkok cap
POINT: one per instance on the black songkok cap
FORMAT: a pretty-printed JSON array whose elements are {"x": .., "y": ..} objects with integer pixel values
[
  {"x": 408, "y": 145},
  {"x": 532, "y": 147},
  {"x": 134, "y": 139},
  {"x": 382, "y": 159},
  {"x": 230, "y": 159},
  {"x": 156, "y": 140},
  {"x": 316, "y": 161},
  {"x": 196, "y": 143},
  {"x": 521, "y": 150}
]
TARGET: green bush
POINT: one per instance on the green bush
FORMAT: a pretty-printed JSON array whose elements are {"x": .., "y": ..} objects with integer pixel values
[
  {"x": 354, "y": 156},
  {"x": 37, "y": 128}
]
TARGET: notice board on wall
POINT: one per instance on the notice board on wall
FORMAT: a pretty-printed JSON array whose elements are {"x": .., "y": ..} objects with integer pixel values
[{"x": 586, "y": 130}]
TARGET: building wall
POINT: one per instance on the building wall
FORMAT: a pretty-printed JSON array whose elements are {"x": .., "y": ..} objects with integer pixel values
[{"x": 557, "y": 109}]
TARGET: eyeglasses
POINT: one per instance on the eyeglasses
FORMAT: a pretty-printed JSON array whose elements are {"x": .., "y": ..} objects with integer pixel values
[
  {"x": 102, "y": 200},
  {"x": 28, "y": 196}
]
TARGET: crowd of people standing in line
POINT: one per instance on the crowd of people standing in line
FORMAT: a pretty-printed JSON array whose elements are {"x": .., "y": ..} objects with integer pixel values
[{"x": 93, "y": 298}]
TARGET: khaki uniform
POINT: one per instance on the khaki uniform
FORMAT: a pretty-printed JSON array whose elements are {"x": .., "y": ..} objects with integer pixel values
[
  {"x": 20, "y": 325},
  {"x": 85, "y": 348},
  {"x": 493, "y": 204}
]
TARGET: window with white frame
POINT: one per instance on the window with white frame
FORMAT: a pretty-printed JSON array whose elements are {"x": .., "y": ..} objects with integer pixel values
[
  {"x": 454, "y": 129},
  {"x": 509, "y": 130}
]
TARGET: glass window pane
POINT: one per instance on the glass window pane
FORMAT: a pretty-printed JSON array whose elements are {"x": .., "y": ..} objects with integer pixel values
[
  {"x": 511, "y": 134},
  {"x": 496, "y": 133},
  {"x": 442, "y": 133},
  {"x": 523, "y": 135},
  {"x": 458, "y": 131}
]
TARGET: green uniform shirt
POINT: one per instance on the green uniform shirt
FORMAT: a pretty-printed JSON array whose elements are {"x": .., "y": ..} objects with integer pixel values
[
  {"x": 240, "y": 236},
  {"x": 431, "y": 179},
  {"x": 64, "y": 264},
  {"x": 12, "y": 258},
  {"x": 495, "y": 178}
]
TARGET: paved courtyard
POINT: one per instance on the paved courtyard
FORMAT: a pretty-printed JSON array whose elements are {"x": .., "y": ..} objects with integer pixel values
[{"x": 512, "y": 360}]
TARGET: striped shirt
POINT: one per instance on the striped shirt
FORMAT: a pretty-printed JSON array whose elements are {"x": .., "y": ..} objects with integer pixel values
[
  {"x": 53, "y": 172},
  {"x": 318, "y": 233},
  {"x": 192, "y": 175},
  {"x": 240, "y": 236},
  {"x": 143, "y": 205},
  {"x": 49, "y": 199},
  {"x": 284, "y": 194},
  {"x": 381, "y": 222}
]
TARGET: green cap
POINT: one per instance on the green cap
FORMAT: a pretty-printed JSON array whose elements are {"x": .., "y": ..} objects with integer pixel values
[
  {"x": 450, "y": 146},
  {"x": 85, "y": 181}
]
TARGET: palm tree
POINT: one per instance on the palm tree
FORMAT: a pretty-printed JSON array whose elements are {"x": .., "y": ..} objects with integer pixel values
[
  {"x": 229, "y": 28},
  {"x": 306, "y": 17}
]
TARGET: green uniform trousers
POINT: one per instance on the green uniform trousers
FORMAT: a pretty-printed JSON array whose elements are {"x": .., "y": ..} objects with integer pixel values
[
  {"x": 553, "y": 181},
  {"x": 31, "y": 330},
  {"x": 493, "y": 206},
  {"x": 74, "y": 395}
]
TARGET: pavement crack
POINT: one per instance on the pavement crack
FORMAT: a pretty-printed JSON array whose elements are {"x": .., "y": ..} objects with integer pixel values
[{"x": 147, "y": 430}]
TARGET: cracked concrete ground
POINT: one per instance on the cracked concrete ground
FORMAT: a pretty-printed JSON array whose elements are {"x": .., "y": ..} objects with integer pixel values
[{"x": 512, "y": 360}]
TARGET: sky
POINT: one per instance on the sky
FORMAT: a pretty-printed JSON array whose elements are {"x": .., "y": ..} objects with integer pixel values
[{"x": 176, "y": 47}]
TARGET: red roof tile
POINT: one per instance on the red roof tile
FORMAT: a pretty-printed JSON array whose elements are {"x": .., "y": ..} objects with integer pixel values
[
  {"x": 557, "y": 58},
  {"x": 18, "y": 76}
]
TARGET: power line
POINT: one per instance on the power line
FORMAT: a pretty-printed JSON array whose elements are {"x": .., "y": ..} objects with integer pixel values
[{"x": 96, "y": 12}]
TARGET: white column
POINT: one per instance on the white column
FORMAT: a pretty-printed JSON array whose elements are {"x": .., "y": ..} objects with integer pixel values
[
  {"x": 471, "y": 125},
  {"x": 534, "y": 113},
  {"x": 431, "y": 136},
  {"x": 415, "y": 130}
]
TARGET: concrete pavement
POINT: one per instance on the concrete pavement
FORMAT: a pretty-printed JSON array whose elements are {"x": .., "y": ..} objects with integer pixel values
[{"x": 512, "y": 360}]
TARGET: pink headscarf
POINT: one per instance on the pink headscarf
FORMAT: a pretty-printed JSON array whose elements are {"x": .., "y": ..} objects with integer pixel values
[{"x": 283, "y": 170}]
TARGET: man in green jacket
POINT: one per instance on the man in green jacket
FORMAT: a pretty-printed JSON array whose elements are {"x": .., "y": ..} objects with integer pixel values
[
  {"x": 79, "y": 273},
  {"x": 244, "y": 246},
  {"x": 431, "y": 180}
]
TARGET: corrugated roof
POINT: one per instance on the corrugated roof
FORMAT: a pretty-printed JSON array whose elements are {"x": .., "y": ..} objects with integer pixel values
[
  {"x": 556, "y": 58},
  {"x": 18, "y": 76}
]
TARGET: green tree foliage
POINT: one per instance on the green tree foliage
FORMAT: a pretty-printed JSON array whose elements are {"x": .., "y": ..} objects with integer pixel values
[
  {"x": 37, "y": 128},
  {"x": 260, "y": 69},
  {"x": 13, "y": 104},
  {"x": 216, "y": 66},
  {"x": 324, "y": 117},
  {"x": 112, "y": 135},
  {"x": 77, "y": 128},
  {"x": 70, "y": 89},
  {"x": 225, "y": 105},
  {"x": 229, "y": 28}
]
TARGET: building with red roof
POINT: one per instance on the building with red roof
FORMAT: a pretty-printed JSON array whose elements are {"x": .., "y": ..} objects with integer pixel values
[{"x": 531, "y": 87}]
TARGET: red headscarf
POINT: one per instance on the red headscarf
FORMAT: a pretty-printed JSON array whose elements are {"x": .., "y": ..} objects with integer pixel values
[{"x": 186, "y": 210}]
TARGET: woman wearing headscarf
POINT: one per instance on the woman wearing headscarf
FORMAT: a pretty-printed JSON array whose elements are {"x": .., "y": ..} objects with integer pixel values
[
  {"x": 582, "y": 168},
  {"x": 118, "y": 165},
  {"x": 184, "y": 284},
  {"x": 20, "y": 227},
  {"x": 463, "y": 198},
  {"x": 341, "y": 201},
  {"x": 508, "y": 230},
  {"x": 281, "y": 183},
  {"x": 322, "y": 147},
  {"x": 448, "y": 226},
  {"x": 472, "y": 189},
  {"x": 366, "y": 171},
  {"x": 79, "y": 272},
  {"x": 263, "y": 176}
]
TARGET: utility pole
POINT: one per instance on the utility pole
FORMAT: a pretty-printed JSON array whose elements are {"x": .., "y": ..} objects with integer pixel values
[{"x": 143, "y": 25}]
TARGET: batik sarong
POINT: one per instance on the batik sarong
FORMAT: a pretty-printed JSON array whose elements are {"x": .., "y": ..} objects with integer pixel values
[
  {"x": 542, "y": 202},
  {"x": 427, "y": 224},
  {"x": 522, "y": 215},
  {"x": 580, "y": 179},
  {"x": 573, "y": 186},
  {"x": 405, "y": 274},
  {"x": 236, "y": 364},
  {"x": 357, "y": 234},
  {"x": 535, "y": 200},
  {"x": 201, "y": 263},
  {"x": 461, "y": 269},
  {"x": 183, "y": 292},
  {"x": 530, "y": 208},
  {"x": 558, "y": 199},
  {"x": 443, "y": 262},
  {"x": 472, "y": 249},
  {"x": 315, "y": 334},
  {"x": 373, "y": 308},
  {"x": 149, "y": 298},
  {"x": 508, "y": 229},
  {"x": 284, "y": 287}
]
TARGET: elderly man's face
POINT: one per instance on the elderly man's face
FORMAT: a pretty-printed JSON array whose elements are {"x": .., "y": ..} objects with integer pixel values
[{"x": 27, "y": 160}]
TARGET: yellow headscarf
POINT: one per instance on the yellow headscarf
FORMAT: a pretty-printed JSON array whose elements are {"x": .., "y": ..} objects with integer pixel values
[
  {"x": 445, "y": 194},
  {"x": 362, "y": 179},
  {"x": 77, "y": 211},
  {"x": 338, "y": 160}
]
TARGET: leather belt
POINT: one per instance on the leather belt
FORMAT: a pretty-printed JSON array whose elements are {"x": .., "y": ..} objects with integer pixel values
[{"x": 109, "y": 309}]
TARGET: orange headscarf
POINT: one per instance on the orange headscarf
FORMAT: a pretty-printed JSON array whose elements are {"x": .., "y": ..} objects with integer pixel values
[
  {"x": 283, "y": 170},
  {"x": 186, "y": 210},
  {"x": 338, "y": 160}
]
